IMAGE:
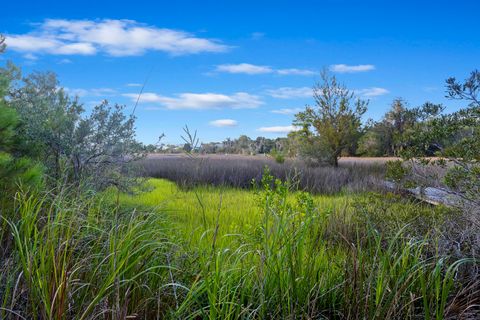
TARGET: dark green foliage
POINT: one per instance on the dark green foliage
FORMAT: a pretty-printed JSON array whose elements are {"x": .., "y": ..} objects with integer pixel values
[
  {"x": 279, "y": 158},
  {"x": 15, "y": 169},
  {"x": 370, "y": 144},
  {"x": 395, "y": 133},
  {"x": 396, "y": 171}
]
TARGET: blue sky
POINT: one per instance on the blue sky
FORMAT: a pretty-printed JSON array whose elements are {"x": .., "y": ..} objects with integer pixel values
[{"x": 228, "y": 68}]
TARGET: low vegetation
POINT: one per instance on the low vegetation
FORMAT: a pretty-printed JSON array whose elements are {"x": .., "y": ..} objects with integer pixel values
[
  {"x": 222, "y": 253},
  {"x": 239, "y": 171}
]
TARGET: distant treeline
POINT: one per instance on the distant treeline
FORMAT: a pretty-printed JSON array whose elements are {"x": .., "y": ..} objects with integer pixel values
[{"x": 385, "y": 137}]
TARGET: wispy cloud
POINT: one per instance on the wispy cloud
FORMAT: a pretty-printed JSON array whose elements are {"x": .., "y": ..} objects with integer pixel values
[
  {"x": 200, "y": 101},
  {"x": 294, "y": 71},
  {"x": 288, "y": 111},
  {"x": 372, "y": 92},
  {"x": 133, "y": 85},
  {"x": 111, "y": 37},
  {"x": 343, "y": 68},
  {"x": 96, "y": 92},
  {"x": 247, "y": 68},
  {"x": 30, "y": 56},
  {"x": 221, "y": 123},
  {"x": 290, "y": 92},
  {"x": 278, "y": 129}
]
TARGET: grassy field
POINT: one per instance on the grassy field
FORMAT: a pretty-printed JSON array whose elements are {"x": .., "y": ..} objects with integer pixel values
[
  {"x": 218, "y": 252},
  {"x": 200, "y": 209},
  {"x": 275, "y": 253}
]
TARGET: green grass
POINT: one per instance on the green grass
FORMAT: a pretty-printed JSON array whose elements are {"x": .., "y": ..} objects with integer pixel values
[
  {"x": 224, "y": 253},
  {"x": 196, "y": 213}
]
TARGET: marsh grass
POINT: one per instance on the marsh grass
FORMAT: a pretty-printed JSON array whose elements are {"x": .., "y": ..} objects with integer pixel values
[
  {"x": 225, "y": 253},
  {"x": 239, "y": 171}
]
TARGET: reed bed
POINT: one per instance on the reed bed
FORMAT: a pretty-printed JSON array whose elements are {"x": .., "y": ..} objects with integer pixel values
[{"x": 239, "y": 171}]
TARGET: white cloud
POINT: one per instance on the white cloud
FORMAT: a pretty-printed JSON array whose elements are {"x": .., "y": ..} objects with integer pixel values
[
  {"x": 278, "y": 129},
  {"x": 112, "y": 37},
  {"x": 247, "y": 68},
  {"x": 372, "y": 92},
  {"x": 343, "y": 68},
  {"x": 224, "y": 123},
  {"x": 200, "y": 101},
  {"x": 133, "y": 84},
  {"x": 290, "y": 92},
  {"x": 96, "y": 92},
  {"x": 288, "y": 110},
  {"x": 294, "y": 71}
]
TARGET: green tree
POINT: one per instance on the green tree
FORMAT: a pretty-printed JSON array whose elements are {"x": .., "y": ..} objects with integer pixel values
[
  {"x": 104, "y": 146},
  {"x": 15, "y": 168},
  {"x": 95, "y": 149},
  {"x": 49, "y": 118},
  {"x": 393, "y": 133},
  {"x": 370, "y": 144},
  {"x": 334, "y": 123}
]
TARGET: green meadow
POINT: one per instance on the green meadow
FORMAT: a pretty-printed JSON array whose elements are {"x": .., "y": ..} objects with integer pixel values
[{"x": 277, "y": 253}]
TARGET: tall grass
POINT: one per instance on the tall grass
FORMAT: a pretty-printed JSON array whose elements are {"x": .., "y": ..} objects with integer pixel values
[
  {"x": 72, "y": 259},
  {"x": 238, "y": 171},
  {"x": 223, "y": 253},
  {"x": 289, "y": 270}
]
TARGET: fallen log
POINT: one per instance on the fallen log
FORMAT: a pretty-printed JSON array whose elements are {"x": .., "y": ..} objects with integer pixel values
[{"x": 434, "y": 196}]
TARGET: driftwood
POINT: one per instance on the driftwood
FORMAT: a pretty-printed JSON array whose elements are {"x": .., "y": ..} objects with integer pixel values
[{"x": 434, "y": 196}]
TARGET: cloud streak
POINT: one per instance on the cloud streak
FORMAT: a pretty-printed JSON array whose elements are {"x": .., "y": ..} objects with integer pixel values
[
  {"x": 252, "y": 69},
  {"x": 108, "y": 36},
  {"x": 372, "y": 92},
  {"x": 290, "y": 92},
  {"x": 245, "y": 68},
  {"x": 96, "y": 92},
  {"x": 222, "y": 123},
  {"x": 343, "y": 68},
  {"x": 200, "y": 101},
  {"x": 288, "y": 111},
  {"x": 278, "y": 129}
]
